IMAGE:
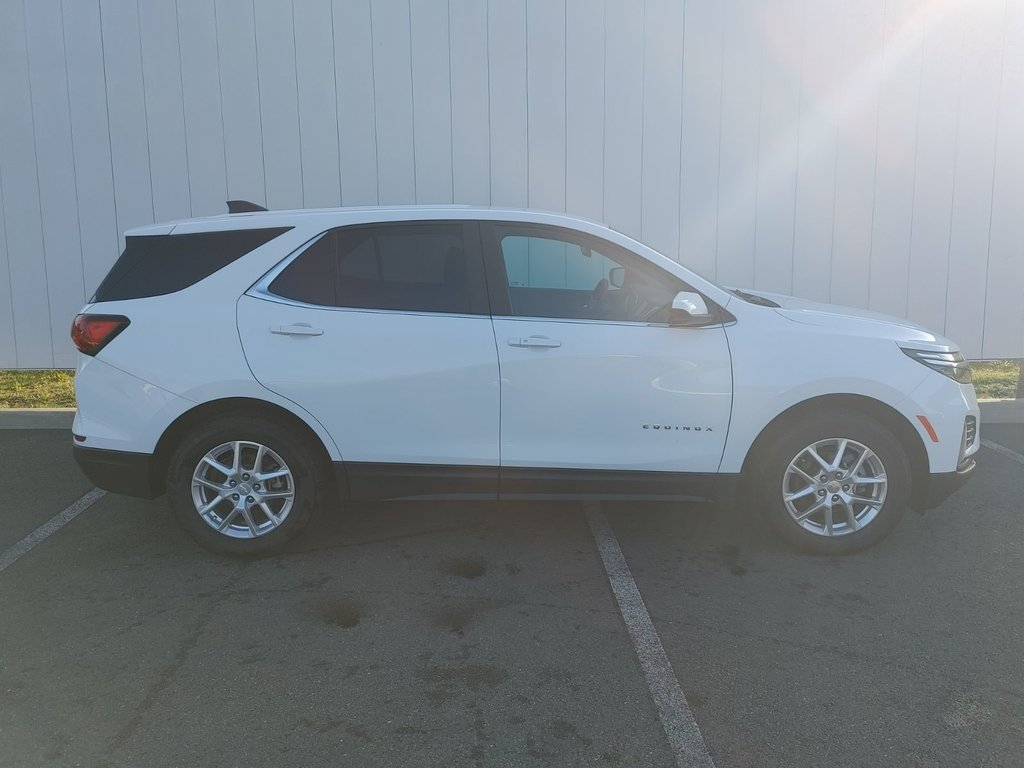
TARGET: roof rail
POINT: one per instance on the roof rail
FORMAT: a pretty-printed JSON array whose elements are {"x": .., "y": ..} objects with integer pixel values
[{"x": 243, "y": 206}]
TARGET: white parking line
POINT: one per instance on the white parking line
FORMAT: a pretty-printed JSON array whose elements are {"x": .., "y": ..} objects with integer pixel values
[
  {"x": 1003, "y": 450},
  {"x": 52, "y": 525},
  {"x": 676, "y": 718}
]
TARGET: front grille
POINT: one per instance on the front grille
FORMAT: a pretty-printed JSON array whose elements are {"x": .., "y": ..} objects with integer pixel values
[{"x": 970, "y": 433}]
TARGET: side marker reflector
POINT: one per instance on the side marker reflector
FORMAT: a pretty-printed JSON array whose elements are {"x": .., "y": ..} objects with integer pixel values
[{"x": 928, "y": 428}]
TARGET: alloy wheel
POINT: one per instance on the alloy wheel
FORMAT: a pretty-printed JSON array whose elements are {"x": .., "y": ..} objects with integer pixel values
[
  {"x": 834, "y": 487},
  {"x": 243, "y": 489}
]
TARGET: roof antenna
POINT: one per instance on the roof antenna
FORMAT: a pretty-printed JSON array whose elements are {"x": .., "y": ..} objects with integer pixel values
[{"x": 243, "y": 206}]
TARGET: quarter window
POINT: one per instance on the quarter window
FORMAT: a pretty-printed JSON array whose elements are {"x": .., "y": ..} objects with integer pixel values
[{"x": 414, "y": 268}]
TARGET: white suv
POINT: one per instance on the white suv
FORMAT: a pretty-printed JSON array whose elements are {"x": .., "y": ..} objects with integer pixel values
[{"x": 259, "y": 366}]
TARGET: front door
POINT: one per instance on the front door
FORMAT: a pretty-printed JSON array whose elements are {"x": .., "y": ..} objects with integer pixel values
[
  {"x": 381, "y": 332},
  {"x": 599, "y": 395}
]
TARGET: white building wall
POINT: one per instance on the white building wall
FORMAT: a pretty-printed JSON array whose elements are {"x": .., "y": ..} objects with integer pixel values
[{"x": 869, "y": 153}]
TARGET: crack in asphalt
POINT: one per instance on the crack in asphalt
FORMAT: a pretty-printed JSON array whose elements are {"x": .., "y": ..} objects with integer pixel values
[{"x": 169, "y": 672}]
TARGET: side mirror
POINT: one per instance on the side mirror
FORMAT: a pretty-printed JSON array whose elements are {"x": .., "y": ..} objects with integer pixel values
[
  {"x": 689, "y": 308},
  {"x": 617, "y": 276}
]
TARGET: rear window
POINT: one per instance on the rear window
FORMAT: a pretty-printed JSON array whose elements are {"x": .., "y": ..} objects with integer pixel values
[{"x": 155, "y": 265}]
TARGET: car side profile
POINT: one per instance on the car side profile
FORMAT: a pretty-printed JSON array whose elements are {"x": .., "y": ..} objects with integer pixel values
[{"x": 261, "y": 366}]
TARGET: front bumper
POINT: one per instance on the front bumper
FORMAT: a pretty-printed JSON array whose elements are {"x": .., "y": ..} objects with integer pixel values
[
  {"x": 941, "y": 485},
  {"x": 125, "y": 472}
]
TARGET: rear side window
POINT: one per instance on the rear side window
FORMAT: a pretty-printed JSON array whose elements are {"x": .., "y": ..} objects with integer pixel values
[
  {"x": 155, "y": 265},
  {"x": 408, "y": 267}
]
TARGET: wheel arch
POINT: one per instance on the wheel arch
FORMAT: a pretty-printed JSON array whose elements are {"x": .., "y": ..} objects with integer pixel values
[
  {"x": 229, "y": 406},
  {"x": 883, "y": 413}
]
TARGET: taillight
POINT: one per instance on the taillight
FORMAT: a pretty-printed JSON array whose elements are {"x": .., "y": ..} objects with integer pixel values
[{"x": 91, "y": 333}]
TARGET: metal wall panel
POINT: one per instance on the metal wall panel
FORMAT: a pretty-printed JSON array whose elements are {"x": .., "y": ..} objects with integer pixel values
[
  {"x": 662, "y": 124},
  {"x": 934, "y": 166},
  {"x": 471, "y": 133},
  {"x": 507, "y": 102},
  {"x": 898, "y": 111},
  {"x": 545, "y": 108},
  {"x": 972, "y": 185},
  {"x": 126, "y": 111},
  {"x": 855, "y": 168},
  {"x": 240, "y": 101},
  {"x": 55, "y": 169},
  {"x": 623, "y": 114},
  {"x": 165, "y": 111},
  {"x": 703, "y": 29},
  {"x": 778, "y": 145},
  {"x": 318, "y": 106},
  {"x": 19, "y": 180},
  {"x": 392, "y": 75},
  {"x": 864, "y": 153},
  {"x": 90, "y": 134},
  {"x": 1004, "y": 299},
  {"x": 432, "y": 100},
  {"x": 817, "y": 147},
  {"x": 279, "y": 103},
  {"x": 738, "y": 145},
  {"x": 8, "y": 349},
  {"x": 584, "y": 108}
]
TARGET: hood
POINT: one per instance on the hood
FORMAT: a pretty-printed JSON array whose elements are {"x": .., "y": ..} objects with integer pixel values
[{"x": 855, "y": 321}]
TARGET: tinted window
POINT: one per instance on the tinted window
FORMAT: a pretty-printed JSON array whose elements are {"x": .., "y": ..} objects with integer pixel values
[
  {"x": 551, "y": 276},
  {"x": 310, "y": 278},
  {"x": 154, "y": 265},
  {"x": 415, "y": 268}
]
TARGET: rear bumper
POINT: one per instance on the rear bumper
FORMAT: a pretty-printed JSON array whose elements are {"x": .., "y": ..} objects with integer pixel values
[
  {"x": 122, "y": 472},
  {"x": 942, "y": 485}
]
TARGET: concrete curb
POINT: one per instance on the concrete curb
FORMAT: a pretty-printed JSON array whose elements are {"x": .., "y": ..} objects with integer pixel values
[
  {"x": 36, "y": 418},
  {"x": 992, "y": 412},
  {"x": 1002, "y": 411}
]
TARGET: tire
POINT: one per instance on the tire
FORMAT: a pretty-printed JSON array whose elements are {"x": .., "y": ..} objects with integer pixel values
[
  {"x": 257, "y": 513},
  {"x": 797, "y": 503}
]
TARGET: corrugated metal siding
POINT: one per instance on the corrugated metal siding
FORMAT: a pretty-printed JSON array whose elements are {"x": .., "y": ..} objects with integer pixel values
[{"x": 867, "y": 153}]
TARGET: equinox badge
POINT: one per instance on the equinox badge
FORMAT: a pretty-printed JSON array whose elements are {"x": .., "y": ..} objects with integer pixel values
[{"x": 678, "y": 428}]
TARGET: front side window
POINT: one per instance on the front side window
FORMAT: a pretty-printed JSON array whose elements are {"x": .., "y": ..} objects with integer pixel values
[
  {"x": 564, "y": 277},
  {"x": 414, "y": 268}
]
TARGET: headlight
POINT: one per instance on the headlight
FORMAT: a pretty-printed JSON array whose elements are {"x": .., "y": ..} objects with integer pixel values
[{"x": 950, "y": 364}]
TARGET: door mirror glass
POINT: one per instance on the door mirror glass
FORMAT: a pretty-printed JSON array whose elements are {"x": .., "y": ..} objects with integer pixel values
[
  {"x": 617, "y": 276},
  {"x": 689, "y": 308}
]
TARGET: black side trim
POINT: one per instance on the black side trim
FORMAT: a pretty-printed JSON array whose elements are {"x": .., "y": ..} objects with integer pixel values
[
  {"x": 243, "y": 206},
  {"x": 726, "y": 490},
  {"x": 341, "y": 480},
  {"x": 367, "y": 481},
  {"x": 119, "y": 471},
  {"x": 530, "y": 483},
  {"x": 942, "y": 485}
]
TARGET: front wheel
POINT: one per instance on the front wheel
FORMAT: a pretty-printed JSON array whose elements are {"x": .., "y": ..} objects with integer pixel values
[
  {"x": 245, "y": 486},
  {"x": 834, "y": 484}
]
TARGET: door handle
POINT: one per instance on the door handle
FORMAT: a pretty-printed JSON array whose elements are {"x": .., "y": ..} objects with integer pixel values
[
  {"x": 534, "y": 341},
  {"x": 298, "y": 329}
]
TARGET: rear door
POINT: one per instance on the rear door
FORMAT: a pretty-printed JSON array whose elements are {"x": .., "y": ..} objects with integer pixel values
[{"x": 382, "y": 333}]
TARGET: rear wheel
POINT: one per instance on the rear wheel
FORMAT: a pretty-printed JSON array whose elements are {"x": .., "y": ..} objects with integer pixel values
[
  {"x": 835, "y": 483},
  {"x": 245, "y": 486}
]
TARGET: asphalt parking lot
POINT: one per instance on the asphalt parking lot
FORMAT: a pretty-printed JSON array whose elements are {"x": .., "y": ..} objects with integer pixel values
[{"x": 487, "y": 634}]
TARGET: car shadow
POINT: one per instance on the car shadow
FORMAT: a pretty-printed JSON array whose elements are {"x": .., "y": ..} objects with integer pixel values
[{"x": 691, "y": 528}]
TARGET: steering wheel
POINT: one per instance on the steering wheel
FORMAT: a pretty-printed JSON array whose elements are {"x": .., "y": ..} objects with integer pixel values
[{"x": 598, "y": 294}]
